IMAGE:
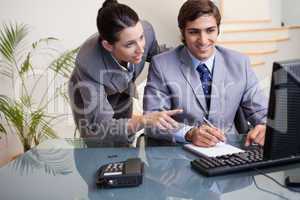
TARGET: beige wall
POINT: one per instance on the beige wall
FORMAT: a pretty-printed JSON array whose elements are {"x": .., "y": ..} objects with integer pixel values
[
  {"x": 291, "y": 14},
  {"x": 74, "y": 21},
  {"x": 243, "y": 10}
]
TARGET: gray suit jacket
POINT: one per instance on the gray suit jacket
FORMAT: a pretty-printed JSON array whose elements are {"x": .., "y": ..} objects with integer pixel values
[
  {"x": 173, "y": 82},
  {"x": 101, "y": 92}
]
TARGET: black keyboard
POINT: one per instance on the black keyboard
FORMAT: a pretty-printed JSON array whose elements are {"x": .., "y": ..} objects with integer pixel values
[{"x": 250, "y": 159}]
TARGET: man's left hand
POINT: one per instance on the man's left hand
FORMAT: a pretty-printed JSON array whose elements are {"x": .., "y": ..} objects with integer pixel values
[{"x": 256, "y": 135}]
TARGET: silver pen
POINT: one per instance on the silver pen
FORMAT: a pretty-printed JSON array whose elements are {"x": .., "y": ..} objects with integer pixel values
[{"x": 208, "y": 122}]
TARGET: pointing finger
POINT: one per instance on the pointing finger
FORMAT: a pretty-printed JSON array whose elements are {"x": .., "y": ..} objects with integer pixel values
[{"x": 173, "y": 112}]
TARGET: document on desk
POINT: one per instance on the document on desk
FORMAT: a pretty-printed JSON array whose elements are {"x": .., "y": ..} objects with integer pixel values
[{"x": 220, "y": 149}]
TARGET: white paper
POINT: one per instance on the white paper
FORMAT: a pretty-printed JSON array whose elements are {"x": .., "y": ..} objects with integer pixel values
[{"x": 220, "y": 149}]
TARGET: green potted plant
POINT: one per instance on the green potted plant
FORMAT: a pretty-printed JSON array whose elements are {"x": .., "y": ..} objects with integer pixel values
[{"x": 22, "y": 114}]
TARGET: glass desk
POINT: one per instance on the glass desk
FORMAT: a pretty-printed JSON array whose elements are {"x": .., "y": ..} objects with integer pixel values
[{"x": 58, "y": 170}]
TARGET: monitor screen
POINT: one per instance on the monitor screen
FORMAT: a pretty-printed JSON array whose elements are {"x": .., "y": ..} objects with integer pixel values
[{"x": 283, "y": 123}]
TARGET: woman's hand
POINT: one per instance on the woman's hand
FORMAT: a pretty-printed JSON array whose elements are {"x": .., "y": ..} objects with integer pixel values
[{"x": 161, "y": 120}]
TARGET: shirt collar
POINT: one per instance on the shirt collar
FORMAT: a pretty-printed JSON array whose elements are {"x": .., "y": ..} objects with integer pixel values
[
  {"x": 209, "y": 62},
  {"x": 129, "y": 66}
]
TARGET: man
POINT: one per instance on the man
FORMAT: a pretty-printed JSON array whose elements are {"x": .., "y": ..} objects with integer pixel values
[{"x": 207, "y": 81}]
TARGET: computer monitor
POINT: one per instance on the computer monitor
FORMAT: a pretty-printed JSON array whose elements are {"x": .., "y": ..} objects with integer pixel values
[{"x": 283, "y": 123}]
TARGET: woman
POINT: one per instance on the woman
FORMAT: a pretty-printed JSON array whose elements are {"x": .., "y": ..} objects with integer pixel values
[{"x": 102, "y": 86}]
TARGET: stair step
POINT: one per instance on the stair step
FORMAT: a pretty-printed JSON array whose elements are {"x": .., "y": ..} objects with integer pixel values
[
  {"x": 268, "y": 29},
  {"x": 255, "y": 53},
  {"x": 279, "y": 39},
  {"x": 245, "y": 47},
  {"x": 257, "y": 64},
  {"x": 241, "y": 25},
  {"x": 257, "y": 34},
  {"x": 246, "y": 21}
]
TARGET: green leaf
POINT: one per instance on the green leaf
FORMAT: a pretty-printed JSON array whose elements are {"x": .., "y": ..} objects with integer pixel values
[
  {"x": 2, "y": 129},
  {"x": 43, "y": 40},
  {"x": 26, "y": 101},
  {"x": 26, "y": 65},
  {"x": 39, "y": 127},
  {"x": 13, "y": 113},
  {"x": 64, "y": 64},
  {"x": 5, "y": 68},
  {"x": 11, "y": 36},
  {"x": 35, "y": 120}
]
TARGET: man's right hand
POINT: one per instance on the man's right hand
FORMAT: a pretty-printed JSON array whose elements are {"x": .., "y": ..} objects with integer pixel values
[{"x": 205, "y": 136}]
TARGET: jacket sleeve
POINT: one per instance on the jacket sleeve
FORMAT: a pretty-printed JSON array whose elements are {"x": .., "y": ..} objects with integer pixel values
[
  {"x": 254, "y": 102},
  {"x": 93, "y": 114},
  {"x": 157, "y": 97}
]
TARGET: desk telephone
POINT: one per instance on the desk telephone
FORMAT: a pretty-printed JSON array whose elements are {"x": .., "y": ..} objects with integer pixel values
[{"x": 128, "y": 173}]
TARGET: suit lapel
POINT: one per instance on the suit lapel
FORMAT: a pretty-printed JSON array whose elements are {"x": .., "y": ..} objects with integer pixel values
[
  {"x": 192, "y": 77},
  {"x": 218, "y": 87},
  {"x": 120, "y": 79}
]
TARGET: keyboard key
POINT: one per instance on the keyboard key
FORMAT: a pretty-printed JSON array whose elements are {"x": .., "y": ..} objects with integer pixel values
[{"x": 247, "y": 160}]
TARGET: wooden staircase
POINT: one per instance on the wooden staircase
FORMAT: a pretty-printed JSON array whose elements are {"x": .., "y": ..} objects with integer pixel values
[
  {"x": 258, "y": 34},
  {"x": 258, "y": 44}
]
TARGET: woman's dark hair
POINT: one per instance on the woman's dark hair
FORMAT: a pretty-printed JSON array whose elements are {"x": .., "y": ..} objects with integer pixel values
[
  {"x": 192, "y": 9},
  {"x": 112, "y": 18}
]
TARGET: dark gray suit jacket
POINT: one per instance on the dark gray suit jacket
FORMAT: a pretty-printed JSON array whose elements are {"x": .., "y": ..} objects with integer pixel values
[
  {"x": 101, "y": 92},
  {"x": 173, "y": 82}
]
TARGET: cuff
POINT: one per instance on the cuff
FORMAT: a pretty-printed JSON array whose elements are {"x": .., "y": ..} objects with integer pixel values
[{"x": 180, "y": 134}]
